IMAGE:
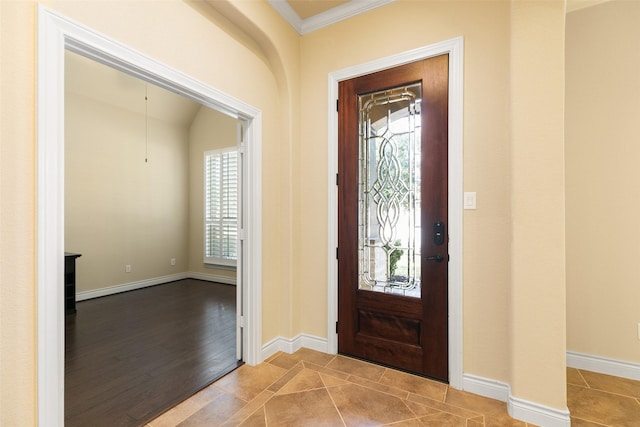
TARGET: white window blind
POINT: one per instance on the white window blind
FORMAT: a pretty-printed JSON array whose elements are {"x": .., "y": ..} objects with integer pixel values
[{"x": 221, "y": 207}]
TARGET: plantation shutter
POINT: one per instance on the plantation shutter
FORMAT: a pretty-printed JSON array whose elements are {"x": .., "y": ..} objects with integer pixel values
[{"x": 221, "y": 207}]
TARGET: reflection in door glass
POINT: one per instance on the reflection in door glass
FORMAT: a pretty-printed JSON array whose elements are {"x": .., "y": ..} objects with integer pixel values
[{"x": 389, "y": 191}]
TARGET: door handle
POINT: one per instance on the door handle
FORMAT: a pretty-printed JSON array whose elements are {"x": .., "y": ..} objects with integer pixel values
[{"x": 436, "y": 258}]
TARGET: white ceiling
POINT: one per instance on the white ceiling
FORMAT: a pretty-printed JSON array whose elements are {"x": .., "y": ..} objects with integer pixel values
[{"x": 101, "y": 83}]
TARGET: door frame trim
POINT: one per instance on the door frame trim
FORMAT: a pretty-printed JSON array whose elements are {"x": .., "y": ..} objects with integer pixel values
[
  {"x": 455, "y": 48},
  {"x": 55, "y": 34}
]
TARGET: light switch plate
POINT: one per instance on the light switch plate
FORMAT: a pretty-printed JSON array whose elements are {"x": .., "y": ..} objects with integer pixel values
[{"x": 469, "y": 200}]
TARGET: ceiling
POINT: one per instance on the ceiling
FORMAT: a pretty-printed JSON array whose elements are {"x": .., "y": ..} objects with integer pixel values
[
  {"x": 310, "y": 15},
  {"x": 102, "y": 83},
  {"x": 308, "y": 8}
]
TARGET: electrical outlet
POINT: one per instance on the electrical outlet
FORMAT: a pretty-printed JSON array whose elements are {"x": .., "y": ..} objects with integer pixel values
[
  {"x": 173, "y": 261},
  {"x": 127, "y": 268}
]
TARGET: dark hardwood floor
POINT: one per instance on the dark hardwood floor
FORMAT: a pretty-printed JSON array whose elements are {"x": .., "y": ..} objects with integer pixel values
[{"x": 131, "y": 356}]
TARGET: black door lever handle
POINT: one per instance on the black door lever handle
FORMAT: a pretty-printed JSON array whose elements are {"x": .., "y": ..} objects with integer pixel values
[{"x": 436, "y": 258}]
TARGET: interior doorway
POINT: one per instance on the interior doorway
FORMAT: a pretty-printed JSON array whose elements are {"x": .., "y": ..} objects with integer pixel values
[
  {"x": 55, "y": 35},
  {"x": 152, "y": 202}
]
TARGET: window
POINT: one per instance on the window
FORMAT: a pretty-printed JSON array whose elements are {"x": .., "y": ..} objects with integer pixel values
[{"x": 221, "y": 207}]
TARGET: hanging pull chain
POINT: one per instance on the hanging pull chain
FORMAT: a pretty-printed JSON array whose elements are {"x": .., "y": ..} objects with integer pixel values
[{"x": 146, "y": 125}]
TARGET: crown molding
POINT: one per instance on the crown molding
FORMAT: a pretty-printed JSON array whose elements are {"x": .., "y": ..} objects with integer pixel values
[{"x": 324, "y": 19}]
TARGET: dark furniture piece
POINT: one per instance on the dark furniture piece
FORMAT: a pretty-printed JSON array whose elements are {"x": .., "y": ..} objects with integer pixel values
[{"x": 70, "y": 282}]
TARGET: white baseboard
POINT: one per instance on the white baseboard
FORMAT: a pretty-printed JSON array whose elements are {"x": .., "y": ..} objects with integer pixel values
[
  {"x": 112, "y": 290},
  {"x": 493, "y": 389},
  {"x": 211, "y": 278},
  {"x": 289, "y": 346},
  {"x": 604, "y": 365},
  {"x": 520, "y": 409},
  {"x": 537, "y": 414}
]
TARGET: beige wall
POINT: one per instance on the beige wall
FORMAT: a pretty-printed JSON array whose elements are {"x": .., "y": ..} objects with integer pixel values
[
  {"x": 210, "y": 130},
  {"x": 120, "y": 209},
  {"x": 537, "y": 294},
  {"x": 485, "y": 27},
  {"x": 174, "y": 33},
  {"x": 252, "y": 54},
  {"x": 17, "y": 215},
  {"x": 603, "y": 196},
  {"x": 171, "y": 32},
  {"x": 492, "y": 50}
]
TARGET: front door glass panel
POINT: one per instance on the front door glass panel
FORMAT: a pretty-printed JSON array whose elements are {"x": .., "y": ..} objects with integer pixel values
[{"x": 389, "y": 191}]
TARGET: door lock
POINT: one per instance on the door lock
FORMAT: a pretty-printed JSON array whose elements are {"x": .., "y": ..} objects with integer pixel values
[
  {"x": 436, "y": 258},
  {"x": 438, "y": 233}
]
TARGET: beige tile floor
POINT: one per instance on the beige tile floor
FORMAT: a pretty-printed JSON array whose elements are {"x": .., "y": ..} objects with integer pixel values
[
  {"x": 597, "y": 400},
  {"x": 309, "y": 388}
]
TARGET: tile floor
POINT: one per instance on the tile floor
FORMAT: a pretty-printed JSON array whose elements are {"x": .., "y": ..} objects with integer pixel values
[
  {"x": 597, "y": 400},
  {"x": 309, "y": 388}
]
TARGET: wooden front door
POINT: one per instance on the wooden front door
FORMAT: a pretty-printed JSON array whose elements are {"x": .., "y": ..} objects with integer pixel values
[{"x": 392, "y": 217}]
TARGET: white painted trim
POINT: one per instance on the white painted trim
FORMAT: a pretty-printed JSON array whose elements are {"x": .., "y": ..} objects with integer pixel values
[
  {"x": 537, "y": 414},
  {"x": 520, "y": 409},
  {"x": 486, "y": 387},
  {"x": 286, "y": 11},
  {"x": 55, "y": 33},
  {"x": 290, "y": 346},
  {"x": 604, "y": 365},
  {"x": 454, "y": 47},
  {"x": 251, "y": 271},
  {"x": 50, "y": 219},
  {"x": 131, "y": 286},
  {"x": 324, "y": 19},
  {"x": 140, "y": 284},
  {"x": 211, "y": 278}
]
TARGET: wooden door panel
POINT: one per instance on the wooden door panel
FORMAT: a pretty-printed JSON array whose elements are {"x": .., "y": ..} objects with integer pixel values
[
  {"x": 407, "y": 357},
  {"x": 408, "y": 331},
  {"x": 389, "y": 327}
]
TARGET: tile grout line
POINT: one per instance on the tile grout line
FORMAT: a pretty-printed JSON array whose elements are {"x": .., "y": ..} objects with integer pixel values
[
  {"x": 611, "y": 392},
  {"x": 583, "y": 378},
  {"x": 334, "y": 404},
  {"x": 478, "y": 414},
  {"x": 335, "y": 356},
  {"x": 376, "y": 389},
  {"x": 263, "y": 407},
  {"x": 248, "y": 402},
  {"x": 590, "y": 421}
]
